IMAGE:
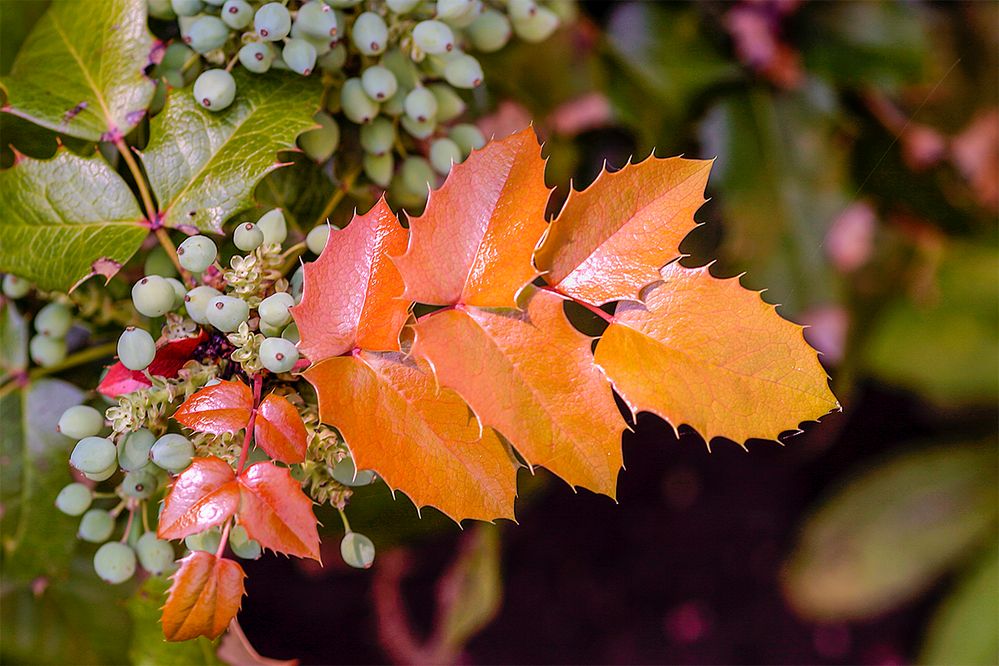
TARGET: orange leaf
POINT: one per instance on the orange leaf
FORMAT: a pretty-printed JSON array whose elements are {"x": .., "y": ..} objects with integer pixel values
[
  {"x": 422, "y": 440},
  {"x": 530, "y": 375},
  {"x": 205, "y": 596},
  {"x": 276, "y": 512},
  {"x": 708, "y": 353},
  {"x": 610, "y": 240},
  {"x": 202, "y": 496},
  {"x": 353, "y": 291},
  {"x": 474, "y": 242},
  {"x": 222, "y": 407},
  {"x": 279, "y": 430}
]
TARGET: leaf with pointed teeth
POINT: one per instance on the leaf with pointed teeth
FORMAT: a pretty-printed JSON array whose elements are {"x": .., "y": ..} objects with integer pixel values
[{"x": 204, "y": 598}]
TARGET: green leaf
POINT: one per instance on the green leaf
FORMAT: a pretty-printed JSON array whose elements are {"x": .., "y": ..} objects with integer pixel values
[
  {"x": 204, "y": 165},
  {"x": 956, "y": 318},
  {"x": 37, "y": 538},
  {"x": 66, "y": 219},
  {"x": 475, "y": 587},
  {"x": 301, "y": 189},
  {"x": 965, "y": 629},
  {"x": 147, "y": 647},
  {"x": 80, "y": 72},
  {"x": 14, "y": 335},
  {"x": 892, "y": 531}
]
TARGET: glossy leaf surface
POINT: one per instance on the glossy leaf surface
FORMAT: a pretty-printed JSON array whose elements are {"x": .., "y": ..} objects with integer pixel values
[
  {"x": 279, "y": 430},
  {"x": 222, "y": 407},
  {"x": 205, "y": 596},
  {"x": 275, "y": 511},
  {"x": 707, "y": 353},
  {"x": 202, "y": 496},
  {"x": 474, "y": 242},
  {"x": 353, "y": 291}
]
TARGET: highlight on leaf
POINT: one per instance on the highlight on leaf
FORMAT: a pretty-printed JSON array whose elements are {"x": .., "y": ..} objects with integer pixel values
[
  {"x": 202, "y": 496},
  {"x": 205, "y": 596},
  {"x": 275, "y": 511},
  {"x": 279, "y": 430},
  {"x": 216, "y": 409}
]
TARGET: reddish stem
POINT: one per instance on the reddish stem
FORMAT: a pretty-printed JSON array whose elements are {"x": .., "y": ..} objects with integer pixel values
[
  {"x": 128, "y": 525},
  {"x": 258, "y": 381},
  {"x": 225, "y": 539},
  {"x": 589, "y": 306}
]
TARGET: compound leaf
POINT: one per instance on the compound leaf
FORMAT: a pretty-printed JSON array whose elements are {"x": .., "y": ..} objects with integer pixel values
[
  {"x": 202, "y": 496},
  {"x": 279, "y": 430},
  {"x": 220, "y": 408},
  {"x": 205, "y": 596},
  {"x": 275, "y": 511}
]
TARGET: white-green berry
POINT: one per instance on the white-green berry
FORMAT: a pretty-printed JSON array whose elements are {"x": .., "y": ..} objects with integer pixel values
[
  {"x": 46, "y": 351},
  {"x": 54, "y": 320},
  {"x": 275, "y": 309},
  {"x": 15, "y": 287},
  {"x": 74, "y": 499},
  {"x": 197, "y": 253},
  {"x": 247, "y": 237},
  {"x": 196, "y": 302},
  {"x": 80, "y": 421},
  {"x": 136, "y": 347},
  {"x": 155, "y": 555},
  {"x": 93, "y": 455},
  {"x": 273, "y": 225},
  {"x": 153, "y": 296},
  {"x": 316, "y": 239},
  {"x": 172, "y": 452},
  {"x": 357, "y": 550},
  {"x": 96, "y": 526},
  {"x": 114, "y": 562},
  {"x": 226, "y": 313},
  {"x": 215, "y": 89},
  {"x": 278, "y": 355}
]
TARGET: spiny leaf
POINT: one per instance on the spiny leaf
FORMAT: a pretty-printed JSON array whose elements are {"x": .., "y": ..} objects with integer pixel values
[
  {"x": 203, "y": 165},
  {"x": 610, "y": 240},
  {"x": 204, "y": 598},
  {"x": 422, "y": 440},
  {"x": 474, "y": 242},
  {"x": 220, "y": 408},
  {"x": 279, "y": 430},
  {"x": 353, "y": 291},
  {"x": 170, "y": 358},
  {"x": 275, "y": 511},
  {"x": 80, "y": 72},
  {"x": 530, "y": 375},
  {"x": 66, "y": 219},
  {"x": 202, "y": 496},
  {"x": 708, "y": 353}
]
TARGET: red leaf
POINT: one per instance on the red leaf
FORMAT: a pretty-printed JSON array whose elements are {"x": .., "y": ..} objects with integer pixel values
[
  {"x": 353, "y": 291},
  {"x": 204, "y": 495},
  {"x": 276, "y": 512},
  {"x": 204, "y": 598},
  {"x": 279, "y": 430},
  {"x": 223, "y": 407},
  {"x": 170, "y": 358}
]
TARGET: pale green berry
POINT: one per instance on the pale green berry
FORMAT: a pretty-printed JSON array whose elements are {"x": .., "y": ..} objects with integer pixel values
[
  {"x": 321, "y": 143},
  {"x": 346, "y": 473},
  {"x": 419, "y": 129},
  {"x": 278, "y": 355},
  {"x": 215, "y": 89},
  {"x": 520, "y": 10},
  {"x": 379, "y": 83},
  {"x": 242, "y": 545},
  {"x": 444, "y": 153},
  {"x": 297, "y": 283},
  {"x": 334, "y": 60},
  {"x": 434, "y": 37},
  {"x": 378, "y": 136},
  {"x": 237, "y": 14},
  {"x": 395, "y": 105},
  {"x": 379, "y": 168},
  {"x": 80, "y": 421},
  {"x": 468, "y": 137},
  {"x": 158, "y": 263},
  {"x": 317, "y": 19},
  {"x": 357, "y": 550},
  {"x": 93, "y": 455},
  {"x": 114, "y": 562},
  {"x": 196, "y": 302},
  {"x": 463, "y": 71},
  {"x": 450, "y": 105},
  {"x": 421, "y": 105},
  {"x": 104, "y": 474},
  {"x": 537, "y": 27},
  {"x": 316, "y": 239},
  {"x": 197, "y": 253},
  {"x": 207, "y": 541},
  {"x": 356, "y": 104},
  {"x": 46, "y": 351},
  {"x": 299, "y": 55},
  {"x": 161, "y": 9},
  {"x": 179, "y": 292},
  {"x": 153, "y": 296},
  {"x": 465, "y": 11},
  {"x": 74, "y": 499},
  {"x": 96, "y": 526},
  {"x": 273, "y": 224},
  {"x": 272, "y": 22},
  {"x": 138, "y": 485},
  {"x": 369, "y": 34},
  {"x": 136, "y": 348},
  {"x": 226, "y": 313},
  {"x": 490, "y": 31},
  {"x": 54, "y": 320},
  {"x": 257, "y": 57},
  {"x": 206, "y": 33},
  {"x": 342, "y": 4},
  {"x": 275, "y": 309},
  {"x": 247, "y": 237},
  {"x": 133, "y": 449},
  {"x": 452, "y": 9},
  {"x": 402, "y": 6},
  {"x": 155, "y": 555},
  {"x": 417, "y": 176},
  {"x": 186, "y": 7},
  {"x": 15, "y": 287},
  {"x": 290, "y": 333},
  {"x": 269, "y": 330},
  {"x": 172, "y": 452}
]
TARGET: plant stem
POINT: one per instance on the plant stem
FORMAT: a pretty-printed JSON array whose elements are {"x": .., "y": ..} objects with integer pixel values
[
  {"x": 225, "y": 539},
  {"x": 79, "y": 358},
  {"x": 145, "y": 516},
  {"x": 258, "y": 381},
  {"x": 128, "y": 525},
  {"x": 337, "y": 196},
  {"x": 167, "y": 244},
  {"x": 140, "y": 180},
  {"x": 346, "y": 523}
]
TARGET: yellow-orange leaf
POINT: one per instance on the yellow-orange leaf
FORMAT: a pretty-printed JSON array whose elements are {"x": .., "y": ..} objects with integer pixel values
[
  {"x": 205, "y": 595},
  {"x": 353, "y": 291},
  {"x": 708, "y": 353},
  {"x": 474, "y": 242},
  {"x": 530, "y": 375},
  {"x": 421, "y": 439},
  {"x": 610, "y": 240}
]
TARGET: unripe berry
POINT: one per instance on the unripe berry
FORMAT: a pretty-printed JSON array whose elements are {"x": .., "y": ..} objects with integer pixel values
[
  {"x": 450, "y": 105},
  {"x": 490, "y": 31},
  {"x": 161, "y": 9},
  {"x": 378, "y": 136},
  {"x": 317, "y": 19},
  {"x": 172, "y": 452},
  {"x": 346, "y": 473},
  {"x": 93, "y": 455},
  {"x": 133, "y": 449},
  {"x": 15, "y": 287},
  {"x": 74, "y": 499},
  {"x": 334, "y": 60},
  {"x": 155, "y": 555},
  {"x": 278, "y": 355},
  {"x": 463, "y": 71},
  {"x": 242, "y": 545},
  {"x": 537, "y": 27},
  {"x": 54, "y": 320},
  {"x": 379, "y": 168},
  {"x": 468, "y": 137},
  {"x": 357, "y": 106},
  {"x": 297, "y": 283},
  {"x": 274, "y": 309},
  {"x": 357, "y": 550},
  {"x": 272, "y": 22},
  {"x": 196, "y": 303},
  {"x": 369, "y": 34},
  {"x": 104, "y": 474},
  {"x": 114, "y": 562},
  {"x": 186, "y": 7},
  {"x": 421, "y": 105},
  {"x": 316, "y": 239},
  {"x": 247, "y": 237},
  {"x": 80, "y": 421},
  {"x": 215, "y": 89},
  {"x": 290, "y": 333},
  {"x": 237, "y": 14},
  {"x": 379, "y": 83},
  {"x": 434, "y": 37},
  {"x": 197, "y": 253},
  {"x": 226, "y": 313},
  {"x": 179, "y": 291},
  {"x": 96, "y": 526},
  {"x": 417, "y": 176},
  {"x": 443, "y": 153},
  {"x": 138, "y": 485},
  {"x": 395, "y": 106},
  {"x": 273, "y": 224},
  {"x": 46, "y": 351},
  {"x": 136, "y": 348},
  {"x": 419, "y": 129},
  {"x": 321, "y": 143},
  {"x": 402, "y": 6},
  {"x": 452, "y": 9},
  {"x": 299, "y": 55},
  {"x": 257, "y": 57},
  {"x": 207, "y": 541},
  {"x": 521, "y": 10},
  {"x": 153, "y": 296},
  {"x": 206, "y": 33}
]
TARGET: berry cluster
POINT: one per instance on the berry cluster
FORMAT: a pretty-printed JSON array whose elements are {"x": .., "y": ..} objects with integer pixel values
[{"x": 392, "y": 70}]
